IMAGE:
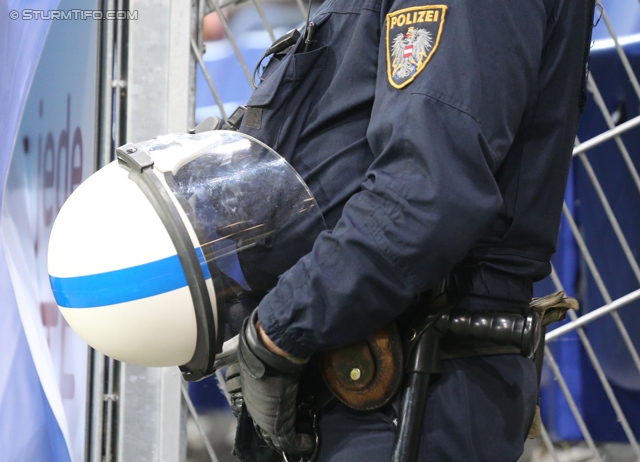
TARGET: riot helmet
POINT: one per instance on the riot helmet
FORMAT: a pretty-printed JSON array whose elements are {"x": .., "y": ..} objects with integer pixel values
[{"x": 149, "y": 255}]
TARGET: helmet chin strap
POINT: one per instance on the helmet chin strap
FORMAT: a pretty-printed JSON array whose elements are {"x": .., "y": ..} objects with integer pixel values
[{"x": 140, "y": 165}]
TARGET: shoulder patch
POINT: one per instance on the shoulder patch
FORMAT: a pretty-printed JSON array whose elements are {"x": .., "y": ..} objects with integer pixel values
[{"x": 413, "y": 35}]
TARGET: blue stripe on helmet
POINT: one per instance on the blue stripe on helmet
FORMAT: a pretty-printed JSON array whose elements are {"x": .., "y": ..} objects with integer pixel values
[{"x": 123, "y": 285}]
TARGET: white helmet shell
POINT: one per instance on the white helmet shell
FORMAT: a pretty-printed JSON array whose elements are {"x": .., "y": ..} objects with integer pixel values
[{"x": 138, "y": 252}]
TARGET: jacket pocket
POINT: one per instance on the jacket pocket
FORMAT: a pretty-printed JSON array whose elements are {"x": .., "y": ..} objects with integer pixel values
[{"x": 289, "y": 84}]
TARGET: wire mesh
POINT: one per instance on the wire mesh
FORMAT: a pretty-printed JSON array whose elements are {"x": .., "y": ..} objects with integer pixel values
[
  {"x": 611, "y": 134},
  {"x": 593, "y": 161}
]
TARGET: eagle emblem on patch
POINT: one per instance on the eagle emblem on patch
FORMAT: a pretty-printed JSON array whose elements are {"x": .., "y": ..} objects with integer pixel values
[{"x": 413, "y": 35}]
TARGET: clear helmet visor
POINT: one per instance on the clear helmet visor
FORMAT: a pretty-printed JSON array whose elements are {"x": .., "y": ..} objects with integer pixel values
[{"x": 252, "y": 212}]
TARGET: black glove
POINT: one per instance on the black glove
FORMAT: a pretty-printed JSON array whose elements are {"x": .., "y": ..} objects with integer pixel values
[
  {"x": 232, "y": 377},
  {"x": 248, "y": 446},
  {"x": 270, "y": 387}
]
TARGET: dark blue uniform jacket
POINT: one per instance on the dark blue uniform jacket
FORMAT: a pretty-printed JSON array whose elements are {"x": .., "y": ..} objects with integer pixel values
[{"x": 437, "y": 140}]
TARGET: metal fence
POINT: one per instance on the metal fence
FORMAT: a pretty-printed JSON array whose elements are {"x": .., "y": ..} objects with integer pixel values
[
  {"x": 597, "y": 255},
  {"x": 593, "y": 159}
]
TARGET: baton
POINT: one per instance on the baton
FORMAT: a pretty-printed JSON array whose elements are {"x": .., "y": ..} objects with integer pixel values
[
  {"x": 506, "y": 329},
  {"x": 423, "y": 364}
]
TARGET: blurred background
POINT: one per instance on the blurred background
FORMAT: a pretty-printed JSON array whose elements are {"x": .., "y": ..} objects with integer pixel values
[{"x": 73, "y": 90}]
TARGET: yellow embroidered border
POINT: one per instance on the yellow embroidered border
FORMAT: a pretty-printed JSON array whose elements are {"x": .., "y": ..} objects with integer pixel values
[{"x": 392, "y": 21}]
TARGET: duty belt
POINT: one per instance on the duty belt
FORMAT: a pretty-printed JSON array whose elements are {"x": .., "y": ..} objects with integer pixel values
[
  {"x": 452, "y": 334},
  {"x": 368, "y": 374}
]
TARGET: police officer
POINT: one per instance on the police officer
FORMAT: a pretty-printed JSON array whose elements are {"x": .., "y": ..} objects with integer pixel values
[{"x": 436, "y": 138}]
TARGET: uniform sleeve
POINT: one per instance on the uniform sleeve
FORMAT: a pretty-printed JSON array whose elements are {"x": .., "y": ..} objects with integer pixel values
[{"x": 440, "y": 130}]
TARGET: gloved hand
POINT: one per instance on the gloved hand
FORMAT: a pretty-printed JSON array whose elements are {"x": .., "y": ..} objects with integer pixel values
[
  {"x": 232, "y": 378},
  {"x": 269, "y": 387}
]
